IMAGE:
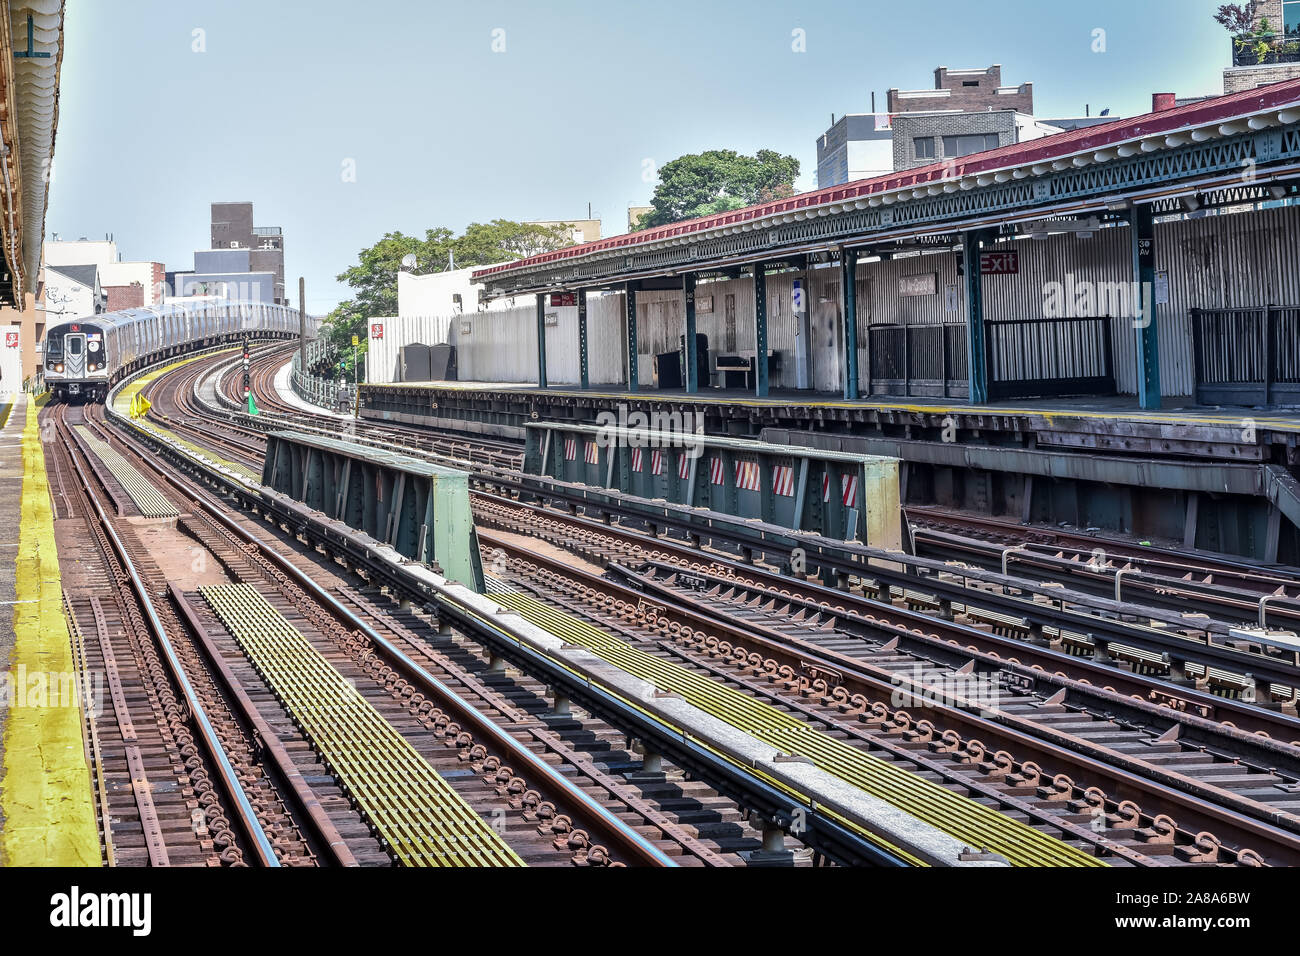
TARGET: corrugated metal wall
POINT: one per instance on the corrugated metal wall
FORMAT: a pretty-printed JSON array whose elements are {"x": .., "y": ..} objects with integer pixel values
[
  {"x": 1214, "y": 261},
  {"x": 1221, "y": 262}
]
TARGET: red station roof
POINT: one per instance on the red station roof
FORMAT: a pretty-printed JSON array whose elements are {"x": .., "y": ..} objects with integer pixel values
[{"x": 1047, "y": 149}]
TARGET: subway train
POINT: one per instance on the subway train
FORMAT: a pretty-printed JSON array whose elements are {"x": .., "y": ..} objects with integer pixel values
[{"x": 84, "y": 357}]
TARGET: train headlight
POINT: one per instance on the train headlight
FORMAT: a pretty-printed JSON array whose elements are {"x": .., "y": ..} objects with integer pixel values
[{"x": 59, "y": 367}]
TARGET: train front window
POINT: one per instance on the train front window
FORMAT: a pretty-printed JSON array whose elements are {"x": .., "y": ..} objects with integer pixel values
[{"x": 74, "y": 346}]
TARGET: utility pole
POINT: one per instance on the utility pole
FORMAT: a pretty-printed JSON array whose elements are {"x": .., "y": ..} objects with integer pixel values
[{"x": 302, "y": 326}]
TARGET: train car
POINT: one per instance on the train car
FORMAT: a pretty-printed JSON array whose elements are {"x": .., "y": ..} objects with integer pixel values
[
  {"x": 77, "y": 359},
  {"x": 85, "y": 357}
]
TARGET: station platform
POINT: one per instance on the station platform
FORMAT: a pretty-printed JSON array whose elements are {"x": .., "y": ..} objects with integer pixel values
[
  {"x": 47, "y": 815},
  {"x": 1104, "y": 423},
  {"x": 286, "y": 394},
  {"x": 1222, "y": 479},
  {"x": 1101, "y": 408}
]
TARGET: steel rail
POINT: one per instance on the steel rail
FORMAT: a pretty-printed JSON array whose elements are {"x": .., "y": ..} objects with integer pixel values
[
  {"x": 555, "y": 786},
  {"x": 256, "y": 837}
]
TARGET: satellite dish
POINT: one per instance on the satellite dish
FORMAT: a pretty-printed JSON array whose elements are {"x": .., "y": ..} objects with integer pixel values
[{"x": 408, "y": 261}]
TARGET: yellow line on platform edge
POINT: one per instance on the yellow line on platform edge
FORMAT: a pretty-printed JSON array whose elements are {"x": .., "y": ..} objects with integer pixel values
[
  {"x": 49, "y": 816},
  {"x": 1224, "y": 419}
]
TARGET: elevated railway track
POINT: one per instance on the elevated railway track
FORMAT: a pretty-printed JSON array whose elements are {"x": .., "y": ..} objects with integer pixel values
[{"x": 1099, "y": 739}]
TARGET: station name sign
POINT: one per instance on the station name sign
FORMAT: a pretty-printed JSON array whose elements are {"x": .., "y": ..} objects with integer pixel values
[{"x": 1006, "y": 263}]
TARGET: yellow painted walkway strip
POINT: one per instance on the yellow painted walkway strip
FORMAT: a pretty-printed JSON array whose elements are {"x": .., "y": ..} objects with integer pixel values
[
  {"x": 423, "y": 819},
  {"x": 151, "y": 502},
  {"x": 967, "y": 820},
  {"x": 49, "y": 817}
]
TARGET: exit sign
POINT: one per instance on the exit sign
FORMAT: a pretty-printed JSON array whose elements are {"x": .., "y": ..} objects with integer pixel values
[{"x": 1005, "y": 263}]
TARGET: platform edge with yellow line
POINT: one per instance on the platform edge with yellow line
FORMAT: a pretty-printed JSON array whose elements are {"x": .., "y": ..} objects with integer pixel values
[{"x": 45, "y": 793}]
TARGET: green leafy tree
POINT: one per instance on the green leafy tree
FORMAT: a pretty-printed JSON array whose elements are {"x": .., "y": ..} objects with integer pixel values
[
  {"x": 502, "y": 240},
  {"x": 373, "y": 279},
  {"x": 719, "y": 180}
]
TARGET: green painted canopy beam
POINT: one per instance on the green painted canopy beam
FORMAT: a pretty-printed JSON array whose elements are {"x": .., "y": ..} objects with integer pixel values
[
  {"x": 629, "y": 291},
  {"x": 976, "y": 336},
  {"x": 849, "y": 282},
  {"x": 541, "y": 340},
  {"x": 582, "y": 339},
  {"x": 760, "y": 330},
  {"x": 692, "y": 358},
  {"x": 1147, "y": 328}
]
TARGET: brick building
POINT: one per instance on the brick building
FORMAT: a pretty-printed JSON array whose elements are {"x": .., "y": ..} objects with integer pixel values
[
  {"x": 124, "y": 297},
  {"x": 1262, "y": 60},
  {"x": 232, "y": 228},
  {"x": 964, "y": 91},
  {"x": 966, "y": 112},
  {"x": 924, "y": 138}
]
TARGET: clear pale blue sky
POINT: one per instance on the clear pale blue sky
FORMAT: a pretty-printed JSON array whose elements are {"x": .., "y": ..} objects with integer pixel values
[{"x": 444, "y": 131}]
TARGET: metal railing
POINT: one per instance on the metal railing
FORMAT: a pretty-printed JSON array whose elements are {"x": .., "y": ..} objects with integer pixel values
[
  {"x": 1247, "y": 356},
  {"x": 1264, "y": 49},
  {"x": 918, "y": 359},
  {"x": 1050, "y": 358},
  {"x": 315, "y": 389}
]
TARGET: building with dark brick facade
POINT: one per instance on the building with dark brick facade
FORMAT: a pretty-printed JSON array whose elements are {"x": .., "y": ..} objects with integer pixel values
[
  {"x": 964, "y": 91},
  {"x": 233, "y": 228},
  {"x": 966, "y": 112}
]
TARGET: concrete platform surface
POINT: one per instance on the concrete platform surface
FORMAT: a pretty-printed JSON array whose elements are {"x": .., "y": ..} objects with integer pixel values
[{"x": 1108, "y": 408}]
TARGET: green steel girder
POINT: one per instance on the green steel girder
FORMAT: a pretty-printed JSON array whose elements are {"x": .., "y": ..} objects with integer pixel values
[
  {"x": 420, "y": 510},
  {"x": 844, "y": 495},
  {"x": 1099, "y": 182}
]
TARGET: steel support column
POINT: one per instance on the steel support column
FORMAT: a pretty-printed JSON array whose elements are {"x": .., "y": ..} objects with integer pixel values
[
  {"x": 541, "y": 340},
  {"x": 629, "y": 290},
  {"x": 582, "y": 338},
  {"x": 1142, "y": 230},
  {"x": 760, "y": 330},
  {"x": 849, "y": 283},
  {"x": 977, "y": 346},
  {"x": 692, "y": 359}
]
